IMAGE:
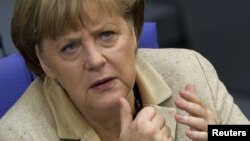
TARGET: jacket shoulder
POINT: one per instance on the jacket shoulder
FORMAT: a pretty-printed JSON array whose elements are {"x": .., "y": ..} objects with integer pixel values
[
  {"x": 30, "y": 118},
  {"x": 169, "y": 54},
  {"x": 182, "y": 61}
]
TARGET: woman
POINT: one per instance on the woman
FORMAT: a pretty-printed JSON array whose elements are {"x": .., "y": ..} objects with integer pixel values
[{"x": 93, "y": 85}]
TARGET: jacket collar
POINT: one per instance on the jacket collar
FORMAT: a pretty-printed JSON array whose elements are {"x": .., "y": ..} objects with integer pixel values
[
  {"x": 69, "y": 121},
  {"x": 153, "y": 88},
  {"x": 71, "y": 124}
]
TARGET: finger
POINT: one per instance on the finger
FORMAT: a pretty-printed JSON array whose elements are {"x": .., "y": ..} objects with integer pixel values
[
  {"x": 193, "y": 122},
  {"x": 163, "y": 134},
  {"x": 159, "y": 121},
  {"x": 190, "y": 88},
  {"x": 192, "y": 108},
  {"x": 143, "y": 120},
  {"x": 170, "y": 138},
  {"x": 125, "y": 113},
  {"x": 197, "y": 135},
  {"x": 147, "y": 113},
  {"x": 190, "y": 96},
  {"x": 166, "y": 131}
]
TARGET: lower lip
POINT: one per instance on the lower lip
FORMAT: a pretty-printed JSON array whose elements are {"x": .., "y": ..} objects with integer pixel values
[{"x": 104, "y": 86}]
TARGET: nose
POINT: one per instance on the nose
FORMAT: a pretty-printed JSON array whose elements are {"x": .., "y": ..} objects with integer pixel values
[{"x": 94, "y": 60}]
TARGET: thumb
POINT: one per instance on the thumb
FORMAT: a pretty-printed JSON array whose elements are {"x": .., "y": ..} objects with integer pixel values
[{"x": 125, "y": 114}]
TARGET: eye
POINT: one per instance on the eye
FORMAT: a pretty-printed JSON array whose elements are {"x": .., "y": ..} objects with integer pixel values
[
  {"x": 70, "y": 47},
  {"x": 106, "y": 35}
]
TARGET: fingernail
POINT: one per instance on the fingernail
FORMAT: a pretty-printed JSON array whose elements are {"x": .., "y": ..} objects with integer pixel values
[
  {"x": 180, "y": 117},
  {"x": 190, "y": 88},
  {"x": 179, "y": 102},
  {"x": 182, "y": 91},
  {"x": 189, "y": 133}
]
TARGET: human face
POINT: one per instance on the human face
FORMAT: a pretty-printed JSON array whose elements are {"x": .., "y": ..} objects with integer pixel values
[{"x": 95, "y": 65}]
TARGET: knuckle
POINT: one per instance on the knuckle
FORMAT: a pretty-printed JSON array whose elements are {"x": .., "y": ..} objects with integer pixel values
[
  {"x": 160, "y": 118},
  {"x": 167, "y": 131},
  {"x": 171, "y": 138},
  {"x": 139, "y": 123},
  {"x": 201, "y": 111},
  {"x": 152, "y": 130}
]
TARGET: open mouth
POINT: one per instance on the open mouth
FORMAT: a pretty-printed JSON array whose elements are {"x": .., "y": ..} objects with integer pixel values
[{"x": 103, "y": 84}]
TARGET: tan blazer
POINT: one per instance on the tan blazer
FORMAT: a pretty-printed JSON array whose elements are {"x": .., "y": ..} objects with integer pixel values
[{"x": 161, "y": 73}]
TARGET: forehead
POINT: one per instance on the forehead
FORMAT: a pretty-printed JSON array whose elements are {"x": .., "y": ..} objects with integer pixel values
[
  {"x": 94, "y": 10},
  {"x": 56, "y": 18}
]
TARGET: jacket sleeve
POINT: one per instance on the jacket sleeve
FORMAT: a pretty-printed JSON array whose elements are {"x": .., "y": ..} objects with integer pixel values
[{"x": 226, "y": 110}]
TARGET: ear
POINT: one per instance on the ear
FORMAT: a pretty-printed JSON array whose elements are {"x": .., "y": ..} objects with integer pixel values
[
  {"x": 42, "y": 59},
  {"x": 134, "y": 40}
]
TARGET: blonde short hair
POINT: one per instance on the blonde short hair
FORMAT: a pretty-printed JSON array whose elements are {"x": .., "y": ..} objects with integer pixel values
[{"x": 35, "y": 19}]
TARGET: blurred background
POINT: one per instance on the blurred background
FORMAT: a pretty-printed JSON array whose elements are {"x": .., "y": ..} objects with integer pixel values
[{"x": 218, "y": 29}]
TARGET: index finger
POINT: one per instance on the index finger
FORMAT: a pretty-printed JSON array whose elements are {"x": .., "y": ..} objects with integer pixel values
[{"x": 147, "y": 113}]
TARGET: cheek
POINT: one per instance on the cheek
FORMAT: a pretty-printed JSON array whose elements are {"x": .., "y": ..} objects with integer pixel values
[
  {"x": 130, "y": 76},
  {"x": 74, "y": 84},
  {"x": 70, "y": 76},
  {"x": 126, "y": 63},
  {"x": 68, "y": 73}
]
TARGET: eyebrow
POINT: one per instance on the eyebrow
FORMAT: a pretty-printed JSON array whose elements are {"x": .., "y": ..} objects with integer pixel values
[
  {"x": 104, "y": 25},
  {"x": 72, "y": 39},
  {"x": 67, "y": 39}
]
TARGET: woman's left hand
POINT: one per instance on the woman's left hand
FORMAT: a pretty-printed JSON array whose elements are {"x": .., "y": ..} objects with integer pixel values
[{"x": 199, "y": 114}]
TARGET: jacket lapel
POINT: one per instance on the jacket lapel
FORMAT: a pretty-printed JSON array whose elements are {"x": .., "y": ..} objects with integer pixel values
[
  {"x": 154, "y": 91},
  {"x": 153, "y": 88}
]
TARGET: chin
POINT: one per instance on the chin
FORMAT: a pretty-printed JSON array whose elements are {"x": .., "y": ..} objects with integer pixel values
[{"x": 110, "y": 102}]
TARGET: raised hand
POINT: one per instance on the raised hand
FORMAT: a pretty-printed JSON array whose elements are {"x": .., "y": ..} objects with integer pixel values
[
  {"x": 199, "y": 114},
  {"x": 147, "y": 126}
]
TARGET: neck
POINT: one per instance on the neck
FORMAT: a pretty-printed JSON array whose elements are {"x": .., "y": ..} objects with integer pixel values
[
  {"x": 107, "y": 125},
  {"x": 107, "y": 131}
]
